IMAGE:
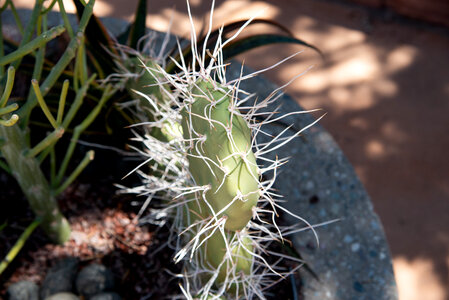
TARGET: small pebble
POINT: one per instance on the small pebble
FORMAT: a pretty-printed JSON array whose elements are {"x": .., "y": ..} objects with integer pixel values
[
  {"x": 63, "y": 296},
  {"x": 106, "y": 296},
  {"x": 23, "y": 290},
  {"x": 94, "y": 279},
  {"x": 60, "y": 277},
  {"x": 348, "y": 239},
  {"x": 355, "y": 247}
]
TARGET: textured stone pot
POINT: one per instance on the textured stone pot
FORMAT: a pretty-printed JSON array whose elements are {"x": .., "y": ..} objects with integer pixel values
[{"x": 353, "y": 261}]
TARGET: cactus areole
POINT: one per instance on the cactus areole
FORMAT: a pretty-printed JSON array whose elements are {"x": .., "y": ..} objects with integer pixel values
[{"x": 220, "y": 155}]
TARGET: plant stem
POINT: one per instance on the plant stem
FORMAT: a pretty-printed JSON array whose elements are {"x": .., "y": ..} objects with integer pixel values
[
  {"x": 79, "y": 129},
  {"x": 2, "y": 50},
  {"x": 42, "y": 103},
  {"x": 10, "y": 122},
  {"x": 18, "y": 245},
  {"x": 61, "y": 104},
  {"x": 77, "y": 102},
  {"x": 46, "y": 142},
  {"x": 8, "y": 87},
  {"x": 52, "y": 166},
  {"x": 33, "y": 183},
  {"x": 49, "y": 8},
  {"x": 16, "y": 16},
  {"x": 40, "y": 56},
  {"x": 9, "y": 108},
  {"x": 65, "y": 19},
  {"x": 63, "y": 62},
  {"x": 87, "y": 158},
  {"x": 42, "y": 39},
  {"x": 29, "y": 29}
]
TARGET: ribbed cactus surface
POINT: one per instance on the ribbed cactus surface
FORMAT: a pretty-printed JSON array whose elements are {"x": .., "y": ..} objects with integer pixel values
[{"x": 220, "y": 156}]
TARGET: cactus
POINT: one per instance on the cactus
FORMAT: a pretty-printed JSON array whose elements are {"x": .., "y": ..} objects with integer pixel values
[
  {"x": 220, "y": 156},
  {"x": 208, "y": 171}
]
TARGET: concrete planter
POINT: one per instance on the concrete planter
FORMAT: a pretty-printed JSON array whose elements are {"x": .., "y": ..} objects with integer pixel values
[{"x": 353, "y": 261}]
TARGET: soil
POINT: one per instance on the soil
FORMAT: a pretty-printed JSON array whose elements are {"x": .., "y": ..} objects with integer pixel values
[{"x": 106, "y": 230}]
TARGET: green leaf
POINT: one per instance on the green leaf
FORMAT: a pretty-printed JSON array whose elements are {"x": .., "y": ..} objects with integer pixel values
[
  {"x": 227, "y": 29},
  {"x": 138, "y": 28},
  {"x": 2, "y": 226},
  {"x": 239, "y": 46}
]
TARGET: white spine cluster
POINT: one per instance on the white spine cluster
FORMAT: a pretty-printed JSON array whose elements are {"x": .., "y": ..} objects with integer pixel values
[{"x": 173, "y": 184}]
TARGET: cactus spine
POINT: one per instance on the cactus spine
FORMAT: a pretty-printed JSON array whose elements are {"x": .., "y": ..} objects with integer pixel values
[{"x": 209, "y": 170}]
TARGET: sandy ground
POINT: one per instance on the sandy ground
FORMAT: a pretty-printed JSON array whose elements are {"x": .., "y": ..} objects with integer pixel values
[{"x": 385, "y": 88}]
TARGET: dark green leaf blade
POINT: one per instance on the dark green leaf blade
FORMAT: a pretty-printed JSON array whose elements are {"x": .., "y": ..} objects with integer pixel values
[
  {"x": 138, "y": 28},
  {"x": 215, "y": 34},
  {"x": 247, "y": 43}
]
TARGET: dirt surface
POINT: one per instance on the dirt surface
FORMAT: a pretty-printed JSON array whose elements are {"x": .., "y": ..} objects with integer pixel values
[
  {"x": 384, "y": 86},
  {"x": 106, "y": 230}
]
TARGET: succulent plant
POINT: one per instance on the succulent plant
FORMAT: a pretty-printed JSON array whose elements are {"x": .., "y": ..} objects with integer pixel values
[{"x": 208, "y": 171}]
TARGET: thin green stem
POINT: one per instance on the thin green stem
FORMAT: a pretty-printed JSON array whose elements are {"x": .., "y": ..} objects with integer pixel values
[
  {"x": 18, "y": 245},
  {"x": 49, "y": 8},
  {"x": 77, "y": 102},
  {"x": 39, "y": 25},
  {"x": 46, "y": 142},
  {"x": 10, "y": 122},
  {"x": 29, "y": 175},
  {"x": 76, "y": 74},
  {"x": 38, "y": 64},
  {"x": 42, "y": 103},
  {"x": 86, "y": 160},
  {"x": 65, "y": 19},
  {"x": 29, "y": 29},
  {"x": 41, "y": 40},
  {"x": 2, "y": 50},
  {"x": 80, "y": 129},
  {"x": 61, "y": 104},
  {"x": 44, "y": 153},
  {"x": 83, "y": 64},
  {"x": 52, "y": 165},
  {"x": 16, "y": 16},
  {"x": 2, "y": 226},
  {"x": 9, "y": 108},
  {"x": 40, "y": 56},
  {"x": 63, "y": 61},
  {"x": 8, "y": 87}
]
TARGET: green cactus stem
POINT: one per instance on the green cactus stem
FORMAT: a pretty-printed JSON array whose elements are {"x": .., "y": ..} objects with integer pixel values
[
  {"x": 240, "y": 262},
  {"x": 221, "y": 157}
]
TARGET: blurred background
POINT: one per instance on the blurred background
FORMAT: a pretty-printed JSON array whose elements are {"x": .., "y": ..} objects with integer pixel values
[{"x": 385, "y": 88}]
